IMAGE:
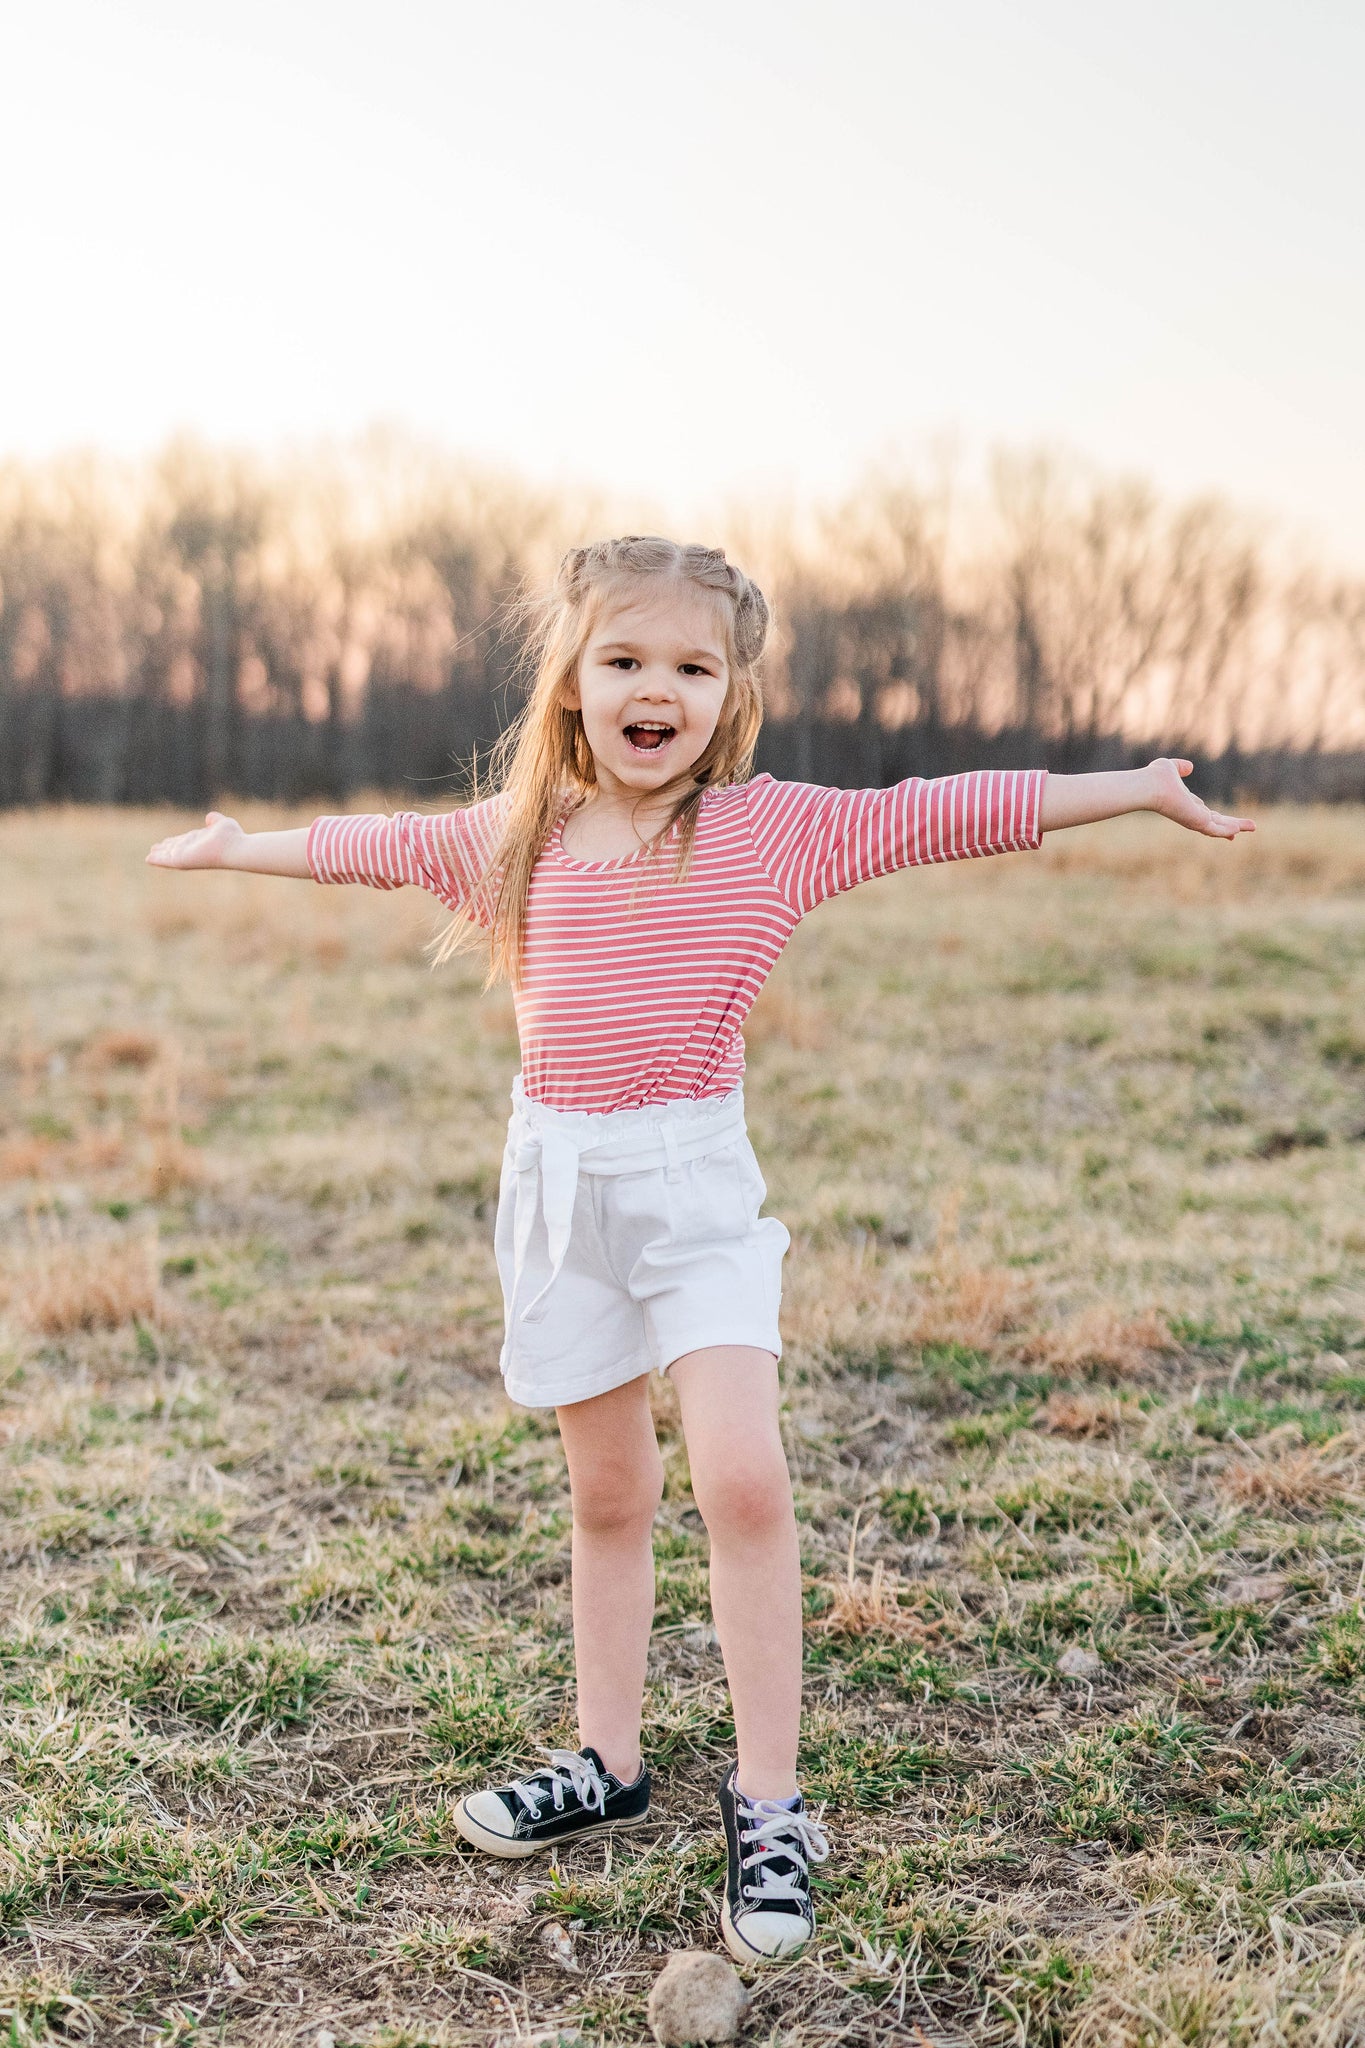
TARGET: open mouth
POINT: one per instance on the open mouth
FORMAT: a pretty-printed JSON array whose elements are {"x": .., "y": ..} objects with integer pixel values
[{"x": 649, "y": 736}]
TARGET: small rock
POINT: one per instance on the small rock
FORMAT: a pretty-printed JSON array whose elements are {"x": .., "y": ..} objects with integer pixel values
[
  {"x": 324, "y": 2038},
  {"x": 233, "y": 1977},
  {"x": 1090, "y": 1852},
  {"x": 1259, "y": 1589},
  {"x": 696, "y": 1998},
  {"x": 1079, "y": 1663},
  {"x": 555, "y": 1937}
]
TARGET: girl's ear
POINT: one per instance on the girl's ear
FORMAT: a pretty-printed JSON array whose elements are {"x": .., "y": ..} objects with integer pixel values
[{"x": 570, "y": 696}]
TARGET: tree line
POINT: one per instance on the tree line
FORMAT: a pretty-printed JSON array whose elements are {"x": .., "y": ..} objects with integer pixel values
[{"x": 209, "y": 623}]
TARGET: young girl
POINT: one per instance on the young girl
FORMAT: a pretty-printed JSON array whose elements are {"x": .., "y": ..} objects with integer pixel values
[{"x": 637, "y": 886}]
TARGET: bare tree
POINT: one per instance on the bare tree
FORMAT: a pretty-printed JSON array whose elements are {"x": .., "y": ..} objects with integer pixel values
[{"x": 208, "y": 623}]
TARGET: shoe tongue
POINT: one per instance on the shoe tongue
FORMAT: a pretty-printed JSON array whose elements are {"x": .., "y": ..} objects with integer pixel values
[
  {"x": 595, "y": 1760},
  {"x": 777, "y": 1863}
]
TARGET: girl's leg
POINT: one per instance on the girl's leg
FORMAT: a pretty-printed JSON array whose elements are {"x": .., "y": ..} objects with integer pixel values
[
  {"x": 729, "y": 1400},
  {"x": 616, "y": 1479}
]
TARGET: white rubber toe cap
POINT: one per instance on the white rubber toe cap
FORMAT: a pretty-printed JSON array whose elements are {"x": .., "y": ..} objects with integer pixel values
[
  {"x": 770, "y": 1935},
  {"x": 489, "y": 1812}
]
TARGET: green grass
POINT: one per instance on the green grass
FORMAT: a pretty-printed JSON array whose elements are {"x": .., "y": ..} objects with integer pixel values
[{"x": 1076, "y": 1362}]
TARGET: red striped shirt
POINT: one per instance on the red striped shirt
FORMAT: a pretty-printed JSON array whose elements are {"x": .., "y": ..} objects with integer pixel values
[{"x": 635, "y": 986}]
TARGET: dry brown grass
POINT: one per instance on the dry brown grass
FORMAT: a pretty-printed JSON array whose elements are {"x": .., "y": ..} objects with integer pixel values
[
  {"x": 861, "y": 1606},
  {"x": 126, "y": 1048},
  {"x": 172, "y": 1166},
  {"x": 786, "y": 1017},
  {"x": 100, "y": 1285},
  {"x": 876, "y": 1605},
  {"x": 879, "y": 1605},
  {"x": 1102, "y": 1340},
  {"x": 965, "y": 1304},
  {"x": 26, "y": 1157},
  {"x": 97, "y": 1151},
  {"x": 1309, "y": 1992},
  {"x": 1080, "y": 1415},
  {"x": 1296, "y": 852},
  {"x": 283, "y": 1574},
  {"x": 1293, "y": 1481}
]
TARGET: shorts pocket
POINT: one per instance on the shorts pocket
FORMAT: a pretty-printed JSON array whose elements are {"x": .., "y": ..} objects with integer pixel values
[{"x": 710, "y": 1199}]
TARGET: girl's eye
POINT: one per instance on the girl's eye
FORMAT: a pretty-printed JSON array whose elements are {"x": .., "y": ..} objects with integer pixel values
[
  {"x": 693, "y": 668},
  {"x": 623, "y": 661}
]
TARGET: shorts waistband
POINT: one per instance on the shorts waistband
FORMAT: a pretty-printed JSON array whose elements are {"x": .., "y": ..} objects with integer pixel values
[
  {"x": 600, "y": 1136},
  {"x": 561, "y": 1143}
]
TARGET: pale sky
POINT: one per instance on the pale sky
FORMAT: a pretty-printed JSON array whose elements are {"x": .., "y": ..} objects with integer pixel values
[{"x": 699, "y": 251}]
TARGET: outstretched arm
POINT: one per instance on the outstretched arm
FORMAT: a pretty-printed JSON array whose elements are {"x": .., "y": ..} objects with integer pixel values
[
  {"x": 445, "y": 852},
  {"x": 220, "y": 842},
  {"x": 1159, "y": 787},
  {"x": 815, "y": 842}
]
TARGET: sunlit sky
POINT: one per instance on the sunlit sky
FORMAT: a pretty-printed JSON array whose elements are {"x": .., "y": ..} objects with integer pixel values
[{"x": 699, "y": 251}]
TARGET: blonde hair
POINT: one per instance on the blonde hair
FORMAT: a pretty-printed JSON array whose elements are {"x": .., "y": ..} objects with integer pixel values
[{"x": 543, "y": 764}]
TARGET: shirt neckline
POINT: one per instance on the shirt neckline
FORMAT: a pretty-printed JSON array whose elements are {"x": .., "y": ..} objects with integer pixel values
[{"x": 604, "y": 867}]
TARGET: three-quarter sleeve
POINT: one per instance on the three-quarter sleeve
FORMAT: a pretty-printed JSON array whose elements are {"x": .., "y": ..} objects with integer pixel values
[
  {"x": 816, "y": 842},
  {"x": 443, "y": 852}
]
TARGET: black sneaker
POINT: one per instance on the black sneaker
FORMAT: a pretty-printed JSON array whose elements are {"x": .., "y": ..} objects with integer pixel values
[
  {"x": 767, "y": 1914},
  {"x": 575, "y": 1795}
]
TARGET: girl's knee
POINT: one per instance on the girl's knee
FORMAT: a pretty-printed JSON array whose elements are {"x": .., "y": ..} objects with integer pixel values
[
  {"x": 608, "y": 1500},
  {"x": 745, "y": 1502}
]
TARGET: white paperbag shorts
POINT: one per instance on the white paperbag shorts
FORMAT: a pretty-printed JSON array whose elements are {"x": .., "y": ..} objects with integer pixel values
[{"x": 628, "y": 1238}]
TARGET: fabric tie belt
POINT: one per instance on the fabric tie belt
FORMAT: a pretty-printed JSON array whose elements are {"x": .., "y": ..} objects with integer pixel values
[{"x": 553, "y": 1146}]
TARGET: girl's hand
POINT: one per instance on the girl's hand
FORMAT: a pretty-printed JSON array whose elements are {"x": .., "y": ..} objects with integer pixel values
[
  {"x": 212, "y": 845},
  {"x": 1171, "y": 799}
]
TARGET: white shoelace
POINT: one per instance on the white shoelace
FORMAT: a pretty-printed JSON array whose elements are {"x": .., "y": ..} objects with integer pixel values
[
  {"x": 566, "y": 1767},
  {"x": 777, "y": 1831}
]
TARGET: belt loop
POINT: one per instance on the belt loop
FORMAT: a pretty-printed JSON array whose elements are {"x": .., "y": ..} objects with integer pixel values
[{"x": 670, "y": 1138}]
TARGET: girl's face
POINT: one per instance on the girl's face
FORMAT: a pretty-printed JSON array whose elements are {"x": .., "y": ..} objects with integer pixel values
[{"x": 651, "y": 685}]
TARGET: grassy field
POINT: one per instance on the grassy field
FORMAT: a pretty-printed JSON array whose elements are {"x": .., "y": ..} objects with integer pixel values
[{"x": 1071, "y": 1147}]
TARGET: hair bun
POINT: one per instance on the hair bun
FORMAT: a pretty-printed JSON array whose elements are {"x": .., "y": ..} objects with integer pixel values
[
  {"x": 570, "y": 574},
  {"x": 751, "y": 620}
]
